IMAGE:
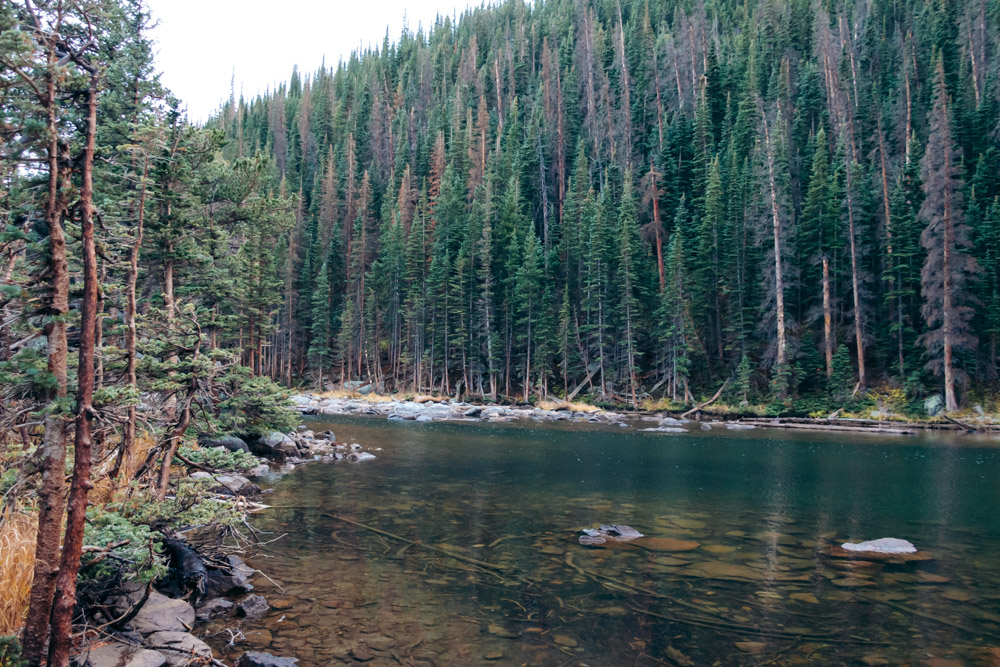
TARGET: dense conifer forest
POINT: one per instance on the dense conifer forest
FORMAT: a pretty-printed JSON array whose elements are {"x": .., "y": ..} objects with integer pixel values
[{"x": 646, "y": 198}]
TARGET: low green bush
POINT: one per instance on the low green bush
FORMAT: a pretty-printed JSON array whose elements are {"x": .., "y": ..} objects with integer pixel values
[{"x": 220, "y": 458}]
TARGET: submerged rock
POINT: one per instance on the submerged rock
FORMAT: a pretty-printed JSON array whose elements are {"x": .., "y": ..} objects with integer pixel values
[
  {"x": 666, "y": 544},
  {"x": 261, "y": 659},
  {"x": 886, "y": 545}
]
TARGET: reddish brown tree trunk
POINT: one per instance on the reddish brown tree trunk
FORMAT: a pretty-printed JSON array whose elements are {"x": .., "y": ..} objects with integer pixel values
[{"x": 65, "y": 596}]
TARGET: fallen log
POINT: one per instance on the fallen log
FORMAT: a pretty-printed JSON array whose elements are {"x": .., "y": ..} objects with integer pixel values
[
  {"x": 421, "y": 545},
  {"x": 827, "y": 427},
  {"x": 190, "y": 567},
  {"x": 573, "y": 393},
  {"x": 715, "y": 397}
]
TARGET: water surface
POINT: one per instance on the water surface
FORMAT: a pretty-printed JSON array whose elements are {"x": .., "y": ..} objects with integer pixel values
[{"x": 510, "y": 500}]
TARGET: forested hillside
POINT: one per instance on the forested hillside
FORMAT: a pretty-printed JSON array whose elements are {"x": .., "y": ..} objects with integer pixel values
[{"x": 649, "y": 196}]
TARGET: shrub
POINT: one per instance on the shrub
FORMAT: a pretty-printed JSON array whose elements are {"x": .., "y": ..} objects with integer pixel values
[
  {"x": 220, "y": 458},
  {"x": 10, "y": 653},
  {"x": 189, "y": 507},
  {"x": 138, "y": 559}
]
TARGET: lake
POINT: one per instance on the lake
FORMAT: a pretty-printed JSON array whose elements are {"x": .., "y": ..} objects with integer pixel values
[{"x": 735, "y": 570}]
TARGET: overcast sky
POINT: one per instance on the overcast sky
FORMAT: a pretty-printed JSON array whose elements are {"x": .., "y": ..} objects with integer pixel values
[{"x": 202, "y": 43}]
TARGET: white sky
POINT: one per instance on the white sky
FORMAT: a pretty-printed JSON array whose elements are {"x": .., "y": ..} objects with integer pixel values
[{"x": 201, "y": 43}]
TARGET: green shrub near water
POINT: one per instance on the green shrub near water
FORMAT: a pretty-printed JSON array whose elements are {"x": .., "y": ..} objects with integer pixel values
[
  {"x": 220, "y": 458},
  {"x": 138, "y": 559}
]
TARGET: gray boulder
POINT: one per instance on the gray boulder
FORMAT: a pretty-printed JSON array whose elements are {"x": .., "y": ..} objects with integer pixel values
[
  {"x": 236, "y": 580},
  {"x": 252, "y": 606},
  {"x": 275, "y": 445},
  {"x": 230, "y": 442},
  {"x": 232, "y": 484},
  {"x": 260, "y": 659},
  {"x": 158, "y": 614},
  {"x": 214, "y": 609},
  {"x": 180, "y": 648},
  {"x": 124, "y": 655}
]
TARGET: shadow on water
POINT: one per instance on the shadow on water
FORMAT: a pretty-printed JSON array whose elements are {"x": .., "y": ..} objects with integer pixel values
[{"x": 460, "y": 547}]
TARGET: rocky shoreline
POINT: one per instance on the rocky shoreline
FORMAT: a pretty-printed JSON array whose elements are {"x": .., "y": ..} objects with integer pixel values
[
  {"x": 158, "y": 626},
  {"x": 428, "y": 409}
]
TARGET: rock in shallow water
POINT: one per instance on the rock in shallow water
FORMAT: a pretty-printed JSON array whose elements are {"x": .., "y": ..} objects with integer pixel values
[
  {"x": 886, "y": 545},
  {"x": 252, "y": 606},
  {"x": 261, "y": 659},
  {"x": 214, "y": 609}
]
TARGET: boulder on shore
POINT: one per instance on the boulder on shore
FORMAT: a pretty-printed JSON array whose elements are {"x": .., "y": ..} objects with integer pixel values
[
  {"x": 232, "y": 484},
  {"x": 117, "y": 654},
  {"x": 234, "y": 580},
  {"x": 275, "y": 445},
  {"x": 180, "y": 648},
  {"x": 230, "y": 442},
  {"x": 158, "y": 614}
]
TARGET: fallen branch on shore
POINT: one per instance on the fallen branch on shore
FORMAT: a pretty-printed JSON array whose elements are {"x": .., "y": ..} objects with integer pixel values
[{"x": 715, "y": 397}]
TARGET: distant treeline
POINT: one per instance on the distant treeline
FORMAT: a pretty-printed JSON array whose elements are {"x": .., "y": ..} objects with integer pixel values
[{"x": 645, "y": 194}]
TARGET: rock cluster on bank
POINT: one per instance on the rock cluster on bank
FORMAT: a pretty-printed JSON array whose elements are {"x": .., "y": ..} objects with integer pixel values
[{"x": 444, "y": 410}]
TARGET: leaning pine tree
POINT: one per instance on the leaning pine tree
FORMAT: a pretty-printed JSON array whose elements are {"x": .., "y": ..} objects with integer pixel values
[{"x": 948, "y": 267}]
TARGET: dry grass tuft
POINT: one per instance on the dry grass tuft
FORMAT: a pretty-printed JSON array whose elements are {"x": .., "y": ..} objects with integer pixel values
[
  {"x": 17, "y": 563},
  {"x": 584, "y": 408},
  {"x": 106, "y": 489},
  {"x": 345, "y": 394}
]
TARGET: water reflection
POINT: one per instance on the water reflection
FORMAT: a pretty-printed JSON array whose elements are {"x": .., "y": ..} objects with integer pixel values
[{"x": 458, "y": 546}]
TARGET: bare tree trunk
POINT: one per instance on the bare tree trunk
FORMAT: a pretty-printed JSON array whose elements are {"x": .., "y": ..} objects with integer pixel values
[
  {"x": 779, "y": 281},
  {"x": 827, "y": 320},
  {"x": 65, "y": 595},
  {"x": 855, "y": 280}
]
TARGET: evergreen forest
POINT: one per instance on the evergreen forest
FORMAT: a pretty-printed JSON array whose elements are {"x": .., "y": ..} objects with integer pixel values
[{"x": 629, "y": 200}]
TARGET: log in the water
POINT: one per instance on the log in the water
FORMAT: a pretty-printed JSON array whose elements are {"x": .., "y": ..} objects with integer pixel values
[{"x": 421, "y": 545}]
